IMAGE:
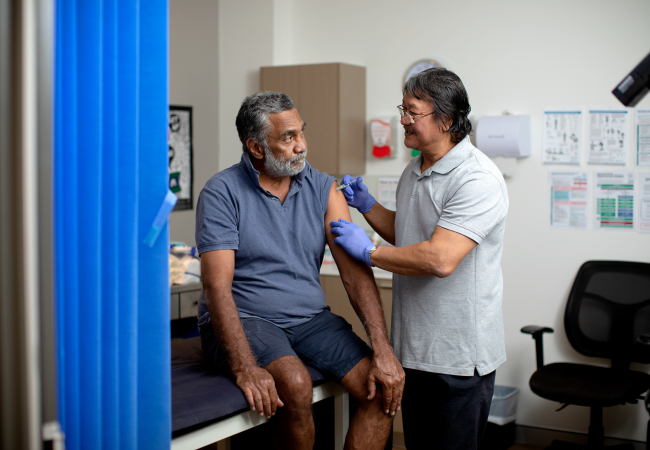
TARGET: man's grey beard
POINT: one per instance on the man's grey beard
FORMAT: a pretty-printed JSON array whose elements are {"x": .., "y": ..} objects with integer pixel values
[{"x": 278, "y": 168}]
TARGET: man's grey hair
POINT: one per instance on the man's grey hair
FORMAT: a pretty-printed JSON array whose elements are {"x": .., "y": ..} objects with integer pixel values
[{"x": 253, "y": 116}]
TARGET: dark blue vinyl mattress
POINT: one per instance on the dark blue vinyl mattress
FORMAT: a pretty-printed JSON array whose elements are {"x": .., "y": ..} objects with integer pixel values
[{"x": 200, "y": 395}]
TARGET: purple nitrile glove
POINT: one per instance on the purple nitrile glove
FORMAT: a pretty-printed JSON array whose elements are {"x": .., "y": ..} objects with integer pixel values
[
  {"x": 353, "y": 239},
  {"x": 357, "y": 195}
]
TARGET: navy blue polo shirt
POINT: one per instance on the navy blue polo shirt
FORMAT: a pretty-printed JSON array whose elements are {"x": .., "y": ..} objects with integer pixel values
[{"x": 278, "y": 247}]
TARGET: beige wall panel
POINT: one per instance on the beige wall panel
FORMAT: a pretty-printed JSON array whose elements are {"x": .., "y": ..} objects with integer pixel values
[
  {"x": 319, "y": 105},
  {"x": 352, "y": 120},
  {"x": 337, "y": 299},
  {"x": 282, "y": 79}
]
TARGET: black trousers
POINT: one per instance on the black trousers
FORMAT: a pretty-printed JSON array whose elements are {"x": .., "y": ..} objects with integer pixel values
[{"x": 445, "y": 411}]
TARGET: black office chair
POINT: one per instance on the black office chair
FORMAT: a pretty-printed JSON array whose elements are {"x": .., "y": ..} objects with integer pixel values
[{"x": 607, "y": 316}]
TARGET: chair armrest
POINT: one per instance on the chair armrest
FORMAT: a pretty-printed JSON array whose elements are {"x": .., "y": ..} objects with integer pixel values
[
  {"x": 642, "y": 344},
  {"x": 534, "y": 329},
  {"x": 538, "y": 334},
  {"x": 643, "y": 339}
]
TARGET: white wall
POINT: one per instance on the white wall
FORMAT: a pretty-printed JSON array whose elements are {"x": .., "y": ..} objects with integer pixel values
[
  {"x": 194, "y": 81},
  {"x": 245, "y": 44},
  {"x": 519, "y": 56},
  {"x": 216, "y": 50}
]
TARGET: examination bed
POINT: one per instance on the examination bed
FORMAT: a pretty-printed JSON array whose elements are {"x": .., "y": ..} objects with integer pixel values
[{"x": 208, "y": 407}]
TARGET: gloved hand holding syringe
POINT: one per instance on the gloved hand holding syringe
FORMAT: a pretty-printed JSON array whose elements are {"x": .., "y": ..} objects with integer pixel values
[{"x": 356, "y": 194}]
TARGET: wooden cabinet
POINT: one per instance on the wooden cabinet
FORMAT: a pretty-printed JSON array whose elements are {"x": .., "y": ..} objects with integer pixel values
[
  {"x": 331, "y": 99},
  {"x": 337, "y": 299},
  {"x": 185, "y": 300},
  {"x": 174, "y": 312}
]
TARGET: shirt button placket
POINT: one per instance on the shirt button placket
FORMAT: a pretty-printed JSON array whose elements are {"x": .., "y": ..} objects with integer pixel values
[{"x": 414, "y": 192}]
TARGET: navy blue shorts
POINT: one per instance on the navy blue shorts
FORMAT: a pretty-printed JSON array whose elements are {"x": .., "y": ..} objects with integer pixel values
[{"x": 326, "y": 342}]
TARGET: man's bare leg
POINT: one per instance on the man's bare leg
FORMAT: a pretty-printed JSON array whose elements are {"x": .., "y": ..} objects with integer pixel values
[
  {"x": 370, "y": 426},
  {"x": 293, "y": 424}
]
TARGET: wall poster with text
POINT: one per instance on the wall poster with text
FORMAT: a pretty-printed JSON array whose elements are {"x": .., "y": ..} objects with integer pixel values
[
  {"x": 608, "y": 135},
  {"x": 614, "y": 194},
  {"x": 569, "y": 198},
  {"x": 180, "y": 155},
  {"x": 562, "y": 136}
]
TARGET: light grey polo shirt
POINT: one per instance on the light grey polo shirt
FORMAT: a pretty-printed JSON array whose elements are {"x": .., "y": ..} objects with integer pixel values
[{"x": 452, "y": 325}]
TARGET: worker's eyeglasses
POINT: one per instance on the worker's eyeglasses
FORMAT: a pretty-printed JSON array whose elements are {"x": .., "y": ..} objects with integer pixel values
[{"x": 403, "y": 112}]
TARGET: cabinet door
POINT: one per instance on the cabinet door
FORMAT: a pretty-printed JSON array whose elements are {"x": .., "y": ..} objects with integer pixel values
[
  {"x": 174, "y": 307},
  {"x": 319, "y": 107},
  {"x": 352, "y": 120},
  {"x": 331, "y": 98},
  {"x": 189, "y": 304},
  {"x": 282, "y": 79},
  {"x": 337, "y": 299}
]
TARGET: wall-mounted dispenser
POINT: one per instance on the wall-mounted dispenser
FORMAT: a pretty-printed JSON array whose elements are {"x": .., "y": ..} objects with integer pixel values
[
  {"x": 504, "y": 138},
  {"x": 385, "y": 136}
]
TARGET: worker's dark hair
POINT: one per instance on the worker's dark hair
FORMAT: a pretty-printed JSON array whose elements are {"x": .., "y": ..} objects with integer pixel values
[
  {"x": 253, "y": 116},
  {"x": 446, "y": 93}
]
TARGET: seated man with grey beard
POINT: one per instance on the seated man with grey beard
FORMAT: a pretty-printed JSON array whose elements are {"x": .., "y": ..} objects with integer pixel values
[{"x": 261, "y": 230}]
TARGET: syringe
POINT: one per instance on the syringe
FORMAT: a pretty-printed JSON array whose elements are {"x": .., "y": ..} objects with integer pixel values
[{"x": 343, "y": 186}]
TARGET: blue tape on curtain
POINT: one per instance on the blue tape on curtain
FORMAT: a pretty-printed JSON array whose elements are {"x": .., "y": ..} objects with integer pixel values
[
  {"x": 112, "y": 290},
  {"x": 161, "y": 218}
]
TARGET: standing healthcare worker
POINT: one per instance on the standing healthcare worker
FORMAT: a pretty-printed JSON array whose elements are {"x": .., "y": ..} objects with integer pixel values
[{"x": 447, "y": 325}]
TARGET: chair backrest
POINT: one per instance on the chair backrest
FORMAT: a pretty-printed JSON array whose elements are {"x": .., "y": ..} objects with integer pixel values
[{"x": 608, "y": 308}]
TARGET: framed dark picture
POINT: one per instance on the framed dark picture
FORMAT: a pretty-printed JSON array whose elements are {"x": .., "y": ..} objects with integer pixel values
[{"x": 180, "y": 155}]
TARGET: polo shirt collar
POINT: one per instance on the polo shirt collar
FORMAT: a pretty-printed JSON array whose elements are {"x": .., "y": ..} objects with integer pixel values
[
  {"x": 450, "y": 161},
  {"x": 254, "y": 174}
]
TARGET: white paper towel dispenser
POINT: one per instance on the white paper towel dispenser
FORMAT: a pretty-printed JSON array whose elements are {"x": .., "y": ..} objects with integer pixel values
[{"x": 504, "y": 136}]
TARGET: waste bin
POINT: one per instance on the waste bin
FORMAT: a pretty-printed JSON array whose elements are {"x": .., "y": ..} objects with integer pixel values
[{"x": 500, "y": 431}]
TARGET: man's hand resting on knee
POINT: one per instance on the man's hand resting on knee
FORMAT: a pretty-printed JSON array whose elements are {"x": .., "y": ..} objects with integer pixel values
[
  {"x": 386, "y": 370},
  {"x": 258, "y": 387}
]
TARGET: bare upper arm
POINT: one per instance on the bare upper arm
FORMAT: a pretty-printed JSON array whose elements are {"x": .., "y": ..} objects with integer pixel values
[
  {"x": 217, "y": 269},
  {"x": 337, "y": 208},
  {"x": 450, "y": 248}
]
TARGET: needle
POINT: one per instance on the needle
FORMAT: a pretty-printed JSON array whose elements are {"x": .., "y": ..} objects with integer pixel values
[{"x": 343, "y": 186}]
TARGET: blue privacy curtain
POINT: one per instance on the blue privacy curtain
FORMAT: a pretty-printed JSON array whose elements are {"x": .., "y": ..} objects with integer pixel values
[{"x": 110, "y": 180}]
